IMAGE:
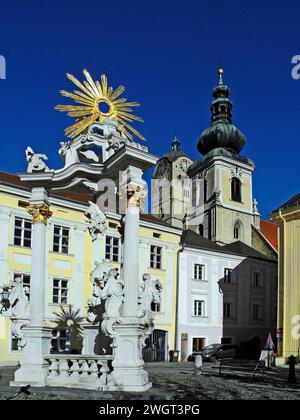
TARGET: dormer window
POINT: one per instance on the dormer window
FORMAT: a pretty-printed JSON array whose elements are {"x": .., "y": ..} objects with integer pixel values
[{"x": 236, "y": 190}]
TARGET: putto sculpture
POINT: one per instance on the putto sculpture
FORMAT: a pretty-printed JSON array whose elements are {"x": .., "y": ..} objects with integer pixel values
[{"x": 35, "y": 161}]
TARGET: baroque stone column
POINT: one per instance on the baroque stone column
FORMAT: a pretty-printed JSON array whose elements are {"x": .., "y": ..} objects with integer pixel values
[
  {"x": 128, "y": 373},
  {"x": 33, "y": 370}
]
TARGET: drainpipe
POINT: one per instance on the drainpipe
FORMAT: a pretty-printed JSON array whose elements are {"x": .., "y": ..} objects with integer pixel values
[
  {"x": 177, "y": 294},
  {"x": 283, "y": 288}
]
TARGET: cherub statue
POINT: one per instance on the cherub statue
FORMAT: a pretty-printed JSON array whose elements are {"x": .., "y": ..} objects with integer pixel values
[
  {"x": 96, "y": 220},
  {"x": 35, "y": 161},
  {"x": 149, "y": 292},
  {"x": 112, "y": 293},
  {"x": 97, "y": 280}
]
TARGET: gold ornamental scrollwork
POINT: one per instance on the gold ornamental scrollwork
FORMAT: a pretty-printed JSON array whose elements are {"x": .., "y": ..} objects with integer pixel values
[{"x": 40, "y": 213}]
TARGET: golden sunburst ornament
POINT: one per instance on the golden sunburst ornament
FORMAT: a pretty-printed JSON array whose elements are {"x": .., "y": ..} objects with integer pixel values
[{"x": 97, "y": 102}]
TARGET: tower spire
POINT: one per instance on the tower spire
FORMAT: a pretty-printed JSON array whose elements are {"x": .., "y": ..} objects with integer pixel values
[
  {"x": 175, "y": 143},
  {"x": 220, "y": 73}
]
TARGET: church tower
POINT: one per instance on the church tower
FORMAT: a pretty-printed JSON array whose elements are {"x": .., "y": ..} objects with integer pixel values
[
  {"x": 228, "y": 211},
  {"x": 170, "y": 187}
]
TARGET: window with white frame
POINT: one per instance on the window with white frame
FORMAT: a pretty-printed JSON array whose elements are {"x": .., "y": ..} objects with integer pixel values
[
  {"x": 155, "y": 256},
  {"x": 22, "y": 232},
  {"x": 228, "y": 310},
  {"x": 60, "y": 291},
  {"x": 199, "y": 308},
  {"x": 257, "y": 314},
  {"x": 256, "y": 279},
  {"x": 26, "y": 282},
  {"x": 61, "y": 239},
  {"x": 199, "y": 272},
  {"x": 112, "y": 248},
  {"x": 228, "y": 276}
]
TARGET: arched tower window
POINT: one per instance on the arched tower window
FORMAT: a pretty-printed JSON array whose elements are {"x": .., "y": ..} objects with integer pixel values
[
  {"x": 236, "y": 190},
  {"x": 238, "y": 230}
]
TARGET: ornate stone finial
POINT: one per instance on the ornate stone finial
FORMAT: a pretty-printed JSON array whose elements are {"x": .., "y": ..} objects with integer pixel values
[{"x": 40, "y": 213}]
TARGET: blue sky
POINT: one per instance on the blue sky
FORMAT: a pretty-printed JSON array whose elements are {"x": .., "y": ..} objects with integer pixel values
[{"x": 166, "y": 53}]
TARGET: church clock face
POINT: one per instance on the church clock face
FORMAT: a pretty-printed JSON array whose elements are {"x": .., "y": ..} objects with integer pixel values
[{"x": 184, "y": 164}]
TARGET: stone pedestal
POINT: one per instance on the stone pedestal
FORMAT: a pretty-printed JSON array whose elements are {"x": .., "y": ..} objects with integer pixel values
[
  {"x": 34, "y": 369},
  {"x": 128, "y": 366},
  {"x": 95, "y": 342}
]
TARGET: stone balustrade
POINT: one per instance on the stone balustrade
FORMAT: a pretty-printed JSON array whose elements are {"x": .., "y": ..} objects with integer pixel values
[{"x": 78, "y": 371}]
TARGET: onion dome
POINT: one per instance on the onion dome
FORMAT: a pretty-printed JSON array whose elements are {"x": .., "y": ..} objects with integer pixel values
[{"x": 221, "y": 133}]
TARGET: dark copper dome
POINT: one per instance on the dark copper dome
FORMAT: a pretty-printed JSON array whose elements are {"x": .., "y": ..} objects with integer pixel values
[{"x": 221, "y": 133}]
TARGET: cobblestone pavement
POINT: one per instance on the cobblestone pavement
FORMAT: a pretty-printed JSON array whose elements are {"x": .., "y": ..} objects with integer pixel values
[{"x": 176, "y": 381}]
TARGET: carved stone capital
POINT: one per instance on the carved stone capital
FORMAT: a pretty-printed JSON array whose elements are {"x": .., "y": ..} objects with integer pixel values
[{"x": 40, "y": 213}]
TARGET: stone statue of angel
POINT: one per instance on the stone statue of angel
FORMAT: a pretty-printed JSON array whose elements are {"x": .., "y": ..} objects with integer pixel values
[
  {"x": 149, "y": 292},
  {"x": 17, "y": 312},
  {"x": 112, "y": 293},
  {"x": 96, "y": 220},
  {"x": 35, "y": 161}
]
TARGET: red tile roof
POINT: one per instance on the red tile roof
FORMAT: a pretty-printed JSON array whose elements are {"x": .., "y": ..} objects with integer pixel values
[{"x": 269, "y": 230}]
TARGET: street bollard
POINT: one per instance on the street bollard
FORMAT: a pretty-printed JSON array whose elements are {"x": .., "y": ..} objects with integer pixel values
[
  {"x": 198, "y": 365},
  {"x": 292, "y": 370}
]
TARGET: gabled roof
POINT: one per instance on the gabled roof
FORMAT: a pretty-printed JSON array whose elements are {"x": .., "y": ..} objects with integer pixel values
[
  {"x": 269, "y": 231},
  {"x": 241, "y": 248},
  {"x": 193, "y": 239},
  {"x": 238, "y": 248}
]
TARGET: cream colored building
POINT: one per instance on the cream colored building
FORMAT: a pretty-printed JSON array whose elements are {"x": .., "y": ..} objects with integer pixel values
[
  {"x": 70, "y": 259},
  {"x": 288, "y": 322}
]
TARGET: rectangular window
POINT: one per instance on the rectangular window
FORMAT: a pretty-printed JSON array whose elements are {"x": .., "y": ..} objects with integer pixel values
[
  {"x": 198, "y": 272},
  {"x": 256, "y": 279},
  {"x": 61, "y": 239},
  {"x": 112, "y": 246},
  {"x": 26, "y": 282},
  {"x": 228, "y": 310},
  {"x": 22, "y": 232},
  {"x": 59, "y": 340},
  {"x": 14, "y": 343},
  {"x": 60, "y": 291},
  {"x": 257, "y": 313},
  {"x": 199, "y": 308},
  {"x": 228, "y": 276},
  {"x": 155, "y": 307},
  {"x": 155, "y": 256}
]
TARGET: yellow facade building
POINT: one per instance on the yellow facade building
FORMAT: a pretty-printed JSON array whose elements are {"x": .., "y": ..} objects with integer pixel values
[
  {"x": 288, "y": 323},
  {"x": 70, "y": 259}
]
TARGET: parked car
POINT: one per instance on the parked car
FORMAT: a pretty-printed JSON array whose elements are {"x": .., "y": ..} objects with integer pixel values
[{"x": 214, "y": 352}]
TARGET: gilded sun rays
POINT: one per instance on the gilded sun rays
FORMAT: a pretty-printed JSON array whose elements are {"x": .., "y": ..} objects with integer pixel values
[{"x": 98, "y": 101}]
